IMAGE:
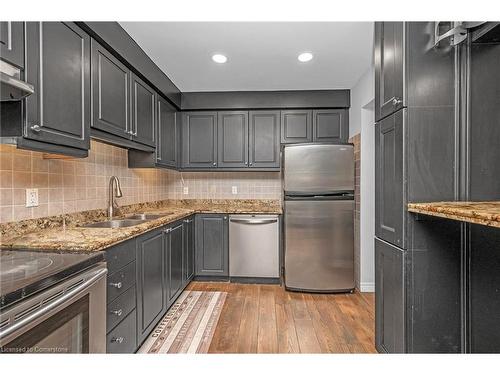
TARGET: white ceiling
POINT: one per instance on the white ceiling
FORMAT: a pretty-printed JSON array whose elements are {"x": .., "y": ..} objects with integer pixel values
[{"x": 261, "y": 55}]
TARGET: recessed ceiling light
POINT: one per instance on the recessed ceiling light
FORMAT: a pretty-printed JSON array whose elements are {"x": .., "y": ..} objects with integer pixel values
[
  {"x": 305, "y": 57},
  {"x": 219, "y": 59}
]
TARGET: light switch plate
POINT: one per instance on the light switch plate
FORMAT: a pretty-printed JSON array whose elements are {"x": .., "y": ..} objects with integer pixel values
[
  {"x": 31, "y": 197},
  {"x": 185, "y": 190},
  {"x": 234, "y": 189}
]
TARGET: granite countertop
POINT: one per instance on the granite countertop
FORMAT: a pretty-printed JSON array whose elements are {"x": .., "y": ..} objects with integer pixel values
[
  {"x": 65, "y": 233},
  {"x": 483, "y": 213}
]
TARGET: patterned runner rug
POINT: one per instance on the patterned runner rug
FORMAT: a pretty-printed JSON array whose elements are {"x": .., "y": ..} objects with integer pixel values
[{"x": 189, "y": 325}]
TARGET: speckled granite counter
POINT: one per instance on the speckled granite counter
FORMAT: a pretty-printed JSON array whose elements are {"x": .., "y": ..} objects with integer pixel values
[
  {"x": 65, "y": 232},
  {"x": 483, "y": 213}
]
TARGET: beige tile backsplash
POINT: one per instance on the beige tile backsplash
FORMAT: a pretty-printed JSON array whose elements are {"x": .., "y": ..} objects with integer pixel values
[{"x": 66, "y": 186}]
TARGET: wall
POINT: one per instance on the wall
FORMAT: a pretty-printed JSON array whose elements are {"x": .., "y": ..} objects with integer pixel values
[
  {"x": 72, "y": 185},
  {"x": 361, "y": 121}
]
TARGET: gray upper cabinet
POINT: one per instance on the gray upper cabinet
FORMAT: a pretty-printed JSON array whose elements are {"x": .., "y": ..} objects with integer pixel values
[
  {"x": 296, "y": 126},
  {"x": 110, "y": 93},
  {"x": 150, "y": 281},
  {"x": 390, "y": 192},
  {"x": 330, "y": 125},
  {"x": 264, "y": 139},
  {"x": 388, "y": 68},
  {"x": 232, "y": 132},
  {"x": 389, "y": 298},
  {"x": 143, "y": 112},
  {"x": 12, "y": 43},
  {"x": 199, "y": 139},
  {"x": 167, "y": 136},
  {"x": 212, "y": 245},
  {"x": 58, "y": 66}
]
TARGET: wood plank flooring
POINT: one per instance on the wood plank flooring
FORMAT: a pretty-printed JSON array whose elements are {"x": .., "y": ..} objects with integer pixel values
[{"x": 269, "y": 319}]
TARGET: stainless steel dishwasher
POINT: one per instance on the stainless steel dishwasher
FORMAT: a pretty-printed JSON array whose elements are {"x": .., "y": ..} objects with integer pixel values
[{"x": 254, "y": 246}]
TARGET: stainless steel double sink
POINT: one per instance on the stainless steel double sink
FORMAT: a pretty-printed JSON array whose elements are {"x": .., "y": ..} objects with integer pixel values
[{"x": 128, "y": 221}]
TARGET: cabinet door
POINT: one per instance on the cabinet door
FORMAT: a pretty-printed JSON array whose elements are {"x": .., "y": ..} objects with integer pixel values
[
  {"x": 166, "y": 135},
  {"x": 232, "y": 132},
  {"x": 296, "y": 126},
  {"x": 12, "y": 43},
  {"x": 211, "y": 245},
  {"x": 330, "y": 125},
  {"x": 388, "y": 68},
  {"x": 390, "y": 182},
  {"x": 264, "y": 139},
  {"x": 150, "y": 288},
  {"x": 143, "y": 112},
  {"x": 110, "y": 93},
  {"x": 389, "y": 298},
  {"x": 199, "y": 139},
  {"x": 58, "y": 66},
  {"x": 175, "y": 272},
  {"x": 188, "y": 249}
]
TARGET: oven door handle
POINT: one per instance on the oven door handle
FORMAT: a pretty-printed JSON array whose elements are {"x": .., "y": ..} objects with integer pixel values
[{"x": 43, "y": 309}]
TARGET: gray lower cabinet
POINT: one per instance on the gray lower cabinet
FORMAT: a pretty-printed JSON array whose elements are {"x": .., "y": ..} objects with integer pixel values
[
  {"x": 390, "y": 187},
  {"x": 174, "y": 246},
  {"x": 264, "y": 139},
  {"x": 121, "y": 320},
  {"x": 199, "y": 139},
  {"x": 388, "y": 68},
  {"x": 150, "y": 281},
  {"x": 12, "y": 43},
  {"x": 330, "y": 125},
  {"x": 212, "y": 245},
  {"x": 167, "y": 134},
  {"x": 296, "y": 126},
  {"x": 58, "y": 66},
  {"x": 143, "y": 112},
  {"x": 232, "y": 133},
  {"x": 389, "y": 298},
  {"x": 110, "y": 93},
  {"x": 189, "y": 238}
]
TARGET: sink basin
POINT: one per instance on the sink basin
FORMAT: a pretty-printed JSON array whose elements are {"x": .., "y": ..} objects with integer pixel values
[
  {"x": 144, "y": 216},
  {"x": 115, "y": 223}
]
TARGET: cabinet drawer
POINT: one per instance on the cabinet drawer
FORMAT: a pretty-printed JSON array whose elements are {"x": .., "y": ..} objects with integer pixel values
[
  {"x": 120, "y": 308},
  {"x": 122, "y": 339},
  {"x": 120, "y": 255},
  {"x": 120, "y": 281}
]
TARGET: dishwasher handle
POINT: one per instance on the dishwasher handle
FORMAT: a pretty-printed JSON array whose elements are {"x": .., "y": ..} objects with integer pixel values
[{"x": 254, "y": 221}]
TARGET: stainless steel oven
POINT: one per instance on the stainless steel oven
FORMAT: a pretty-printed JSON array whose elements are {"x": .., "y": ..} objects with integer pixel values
[{"x": 69, "y": 317}]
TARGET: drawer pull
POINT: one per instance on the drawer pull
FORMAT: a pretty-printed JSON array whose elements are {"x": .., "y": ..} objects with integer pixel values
[
  {"x": 117, "y": 285},
  {"x": 118, "y": 340},
  {"x": 117, "y": 312},
  {"x": 396, "y": 102}
]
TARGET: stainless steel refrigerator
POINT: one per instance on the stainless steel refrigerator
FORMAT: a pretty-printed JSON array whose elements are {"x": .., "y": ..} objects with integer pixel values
[{"x": 319, "y": 217}]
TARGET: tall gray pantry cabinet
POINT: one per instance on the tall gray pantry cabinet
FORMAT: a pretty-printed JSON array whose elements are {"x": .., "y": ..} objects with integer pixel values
[{"x": 434, "y": 112}]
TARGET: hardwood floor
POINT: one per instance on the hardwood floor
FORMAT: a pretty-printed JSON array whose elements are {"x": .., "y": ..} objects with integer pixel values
[{"x": 269, "y": 319}]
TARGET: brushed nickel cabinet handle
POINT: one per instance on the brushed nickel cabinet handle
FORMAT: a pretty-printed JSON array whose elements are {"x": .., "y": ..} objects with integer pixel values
[
  {"x": 36, "y": 128},
  {"x": 118, "y": 340},
  {"x": 117, "y": 312},
  {"x": 117, "y": 285}
]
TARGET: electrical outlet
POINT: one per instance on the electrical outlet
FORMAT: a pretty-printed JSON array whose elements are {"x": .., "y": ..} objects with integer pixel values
[
  {"x": 234, "y": 189},
  {"x": 31, "y": 197},
  {"x": 185, "y": 190}
]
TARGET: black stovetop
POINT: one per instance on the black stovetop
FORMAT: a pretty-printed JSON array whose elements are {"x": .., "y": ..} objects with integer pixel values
[{"x": 24, "y": 273}]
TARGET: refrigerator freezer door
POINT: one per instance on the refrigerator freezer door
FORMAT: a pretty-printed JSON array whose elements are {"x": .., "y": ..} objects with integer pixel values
[
  {"x": 318, "y": 168},
  {"x": 319, "y": 245}
]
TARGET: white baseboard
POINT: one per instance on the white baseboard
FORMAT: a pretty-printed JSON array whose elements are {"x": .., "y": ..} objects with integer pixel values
[{"x": 367, "y": 287}]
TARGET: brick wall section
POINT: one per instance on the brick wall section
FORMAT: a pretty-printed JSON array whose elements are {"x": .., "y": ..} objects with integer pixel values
[{"x": 356, "y": 140}]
